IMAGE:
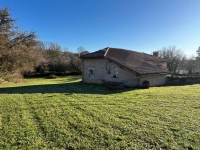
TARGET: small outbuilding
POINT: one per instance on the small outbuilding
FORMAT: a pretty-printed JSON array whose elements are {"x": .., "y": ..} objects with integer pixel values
[{"x": 125, "y": 66}]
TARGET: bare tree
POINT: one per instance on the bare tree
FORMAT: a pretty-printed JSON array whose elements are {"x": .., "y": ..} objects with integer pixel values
[
  {"x": 198, "y": 59},
  {"x": 198, "y": 52},
  {"x": 80, "y": 49},
  {"x": 174, "y": 55},
  {"x": 57, "y": 60},
  {"x": 191, "y": 64}
]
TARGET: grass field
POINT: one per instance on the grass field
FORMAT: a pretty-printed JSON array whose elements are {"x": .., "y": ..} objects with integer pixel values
[{"x": 64, "y": 113}]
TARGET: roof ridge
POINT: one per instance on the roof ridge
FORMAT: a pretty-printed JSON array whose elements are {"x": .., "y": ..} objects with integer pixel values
[
  {"x": 106, "y": 51},
  {"x": 127, "y": 50}
]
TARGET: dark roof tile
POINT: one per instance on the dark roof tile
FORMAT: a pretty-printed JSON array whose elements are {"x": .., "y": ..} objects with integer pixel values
[
  {"x": 97, "y": 54},
  {"x": 153, "y": 58}
]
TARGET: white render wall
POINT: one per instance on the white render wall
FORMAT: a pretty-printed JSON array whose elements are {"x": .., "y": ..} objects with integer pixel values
[{"x": 154, "y": 80}]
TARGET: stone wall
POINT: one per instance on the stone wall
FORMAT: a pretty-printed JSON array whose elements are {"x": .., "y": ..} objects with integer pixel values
[
  {"x": 182, "y": 80},
  {"x": 106, "y": 70}
]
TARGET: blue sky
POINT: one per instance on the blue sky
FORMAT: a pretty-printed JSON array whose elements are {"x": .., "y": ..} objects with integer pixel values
[{"x": 140, "y": 25}]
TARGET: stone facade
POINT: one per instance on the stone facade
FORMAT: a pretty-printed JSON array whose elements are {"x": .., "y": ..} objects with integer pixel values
[{"x": 101, "y": 70}]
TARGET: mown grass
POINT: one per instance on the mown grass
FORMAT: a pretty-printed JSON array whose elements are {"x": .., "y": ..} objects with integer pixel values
[{"x": 64, "y": 113}]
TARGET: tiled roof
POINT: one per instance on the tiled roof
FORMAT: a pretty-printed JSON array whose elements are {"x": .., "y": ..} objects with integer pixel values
[
  {"x": 130, "y": 59},
  {"x": 97, "y": 54},
  {"x": 153, "y": 58}
]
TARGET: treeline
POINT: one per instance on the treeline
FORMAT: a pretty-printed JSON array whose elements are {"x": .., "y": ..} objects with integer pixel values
[
  {"x": 54, "y": 59},
  {"x": 22, "y": 54},
  {"x": 179, "y": 62}
]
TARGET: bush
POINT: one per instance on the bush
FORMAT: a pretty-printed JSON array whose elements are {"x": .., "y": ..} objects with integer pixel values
[
  {"x": 52, "y": 76},
  {"x": 16, "y": 77}
]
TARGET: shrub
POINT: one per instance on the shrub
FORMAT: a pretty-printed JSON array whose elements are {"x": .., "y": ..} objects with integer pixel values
[{"x": 52, "y": 76}]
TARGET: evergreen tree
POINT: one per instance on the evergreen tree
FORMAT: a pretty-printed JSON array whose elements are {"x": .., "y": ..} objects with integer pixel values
[{"x": 16, "y": 47}]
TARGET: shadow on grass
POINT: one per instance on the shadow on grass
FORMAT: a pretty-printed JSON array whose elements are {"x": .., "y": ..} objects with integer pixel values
[{"x": 65, "y": 88}]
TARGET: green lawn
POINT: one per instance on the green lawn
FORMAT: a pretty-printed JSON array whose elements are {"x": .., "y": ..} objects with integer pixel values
[{"x": 64, "y": 113}]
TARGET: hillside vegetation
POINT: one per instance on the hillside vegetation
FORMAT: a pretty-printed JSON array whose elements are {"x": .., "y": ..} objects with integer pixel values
[{"x": 64, "y": 113}]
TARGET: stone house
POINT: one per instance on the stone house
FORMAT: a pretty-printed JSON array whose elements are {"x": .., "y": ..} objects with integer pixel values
[{"x": 120, "y": 65}]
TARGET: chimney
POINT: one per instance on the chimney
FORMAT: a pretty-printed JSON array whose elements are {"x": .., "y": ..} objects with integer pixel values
[{"x": 155, "y": 53}]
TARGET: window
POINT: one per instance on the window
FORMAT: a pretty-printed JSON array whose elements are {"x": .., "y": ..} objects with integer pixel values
[
  {"x": 115, "y": 72},
  {"x": 91, "y": 72}
]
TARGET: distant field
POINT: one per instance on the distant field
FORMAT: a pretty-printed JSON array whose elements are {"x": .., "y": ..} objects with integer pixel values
[{"x": 64, "y": 113}]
